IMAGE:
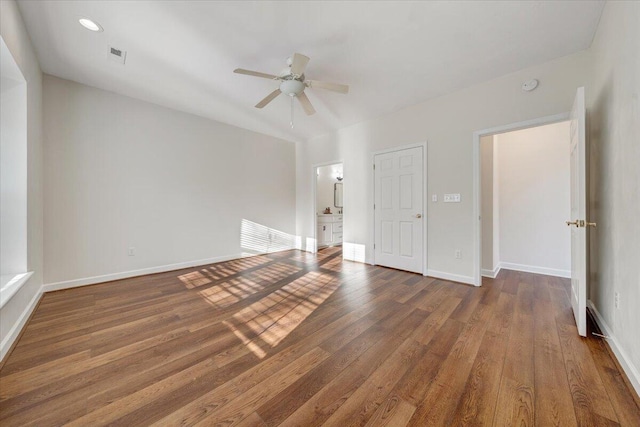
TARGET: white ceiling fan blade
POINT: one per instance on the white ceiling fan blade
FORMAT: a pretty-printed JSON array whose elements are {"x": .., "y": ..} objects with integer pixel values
[
  {"x": 306, "y": 104},
  {"x": 255, "y": 74},
  {"x": 335, "y": 87},
  {"x": 299, "y": 64},
  {"x": 268, "y": 98}
]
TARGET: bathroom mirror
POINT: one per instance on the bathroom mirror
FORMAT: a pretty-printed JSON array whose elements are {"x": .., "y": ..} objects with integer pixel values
[{"x": 337, "y": 195}]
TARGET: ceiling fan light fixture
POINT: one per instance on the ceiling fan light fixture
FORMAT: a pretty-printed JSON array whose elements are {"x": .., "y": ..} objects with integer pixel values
[
  {"x": 292, "y": 87},
  {"x": 90, "y": 25},
  {"x": 293, "y": 84}
]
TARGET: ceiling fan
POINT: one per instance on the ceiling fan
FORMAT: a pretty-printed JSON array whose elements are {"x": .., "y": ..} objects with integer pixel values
[{"x": 293, "y": 83}]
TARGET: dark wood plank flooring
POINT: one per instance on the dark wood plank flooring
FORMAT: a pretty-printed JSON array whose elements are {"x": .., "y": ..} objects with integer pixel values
[{"x": 299, "y": 339}]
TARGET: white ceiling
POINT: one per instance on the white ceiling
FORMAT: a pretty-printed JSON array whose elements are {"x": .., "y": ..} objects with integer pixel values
[{"x": 181, "y": 54}]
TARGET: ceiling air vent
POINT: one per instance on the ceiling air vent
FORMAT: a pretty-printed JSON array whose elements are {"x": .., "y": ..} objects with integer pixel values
[{"x": 117, "y": 55}]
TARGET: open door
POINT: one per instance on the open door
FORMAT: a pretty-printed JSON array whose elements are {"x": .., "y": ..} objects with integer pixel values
[{"x": 578, "y": 221}]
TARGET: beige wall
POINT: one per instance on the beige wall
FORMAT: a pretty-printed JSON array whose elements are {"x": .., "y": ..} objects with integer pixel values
[
  {"x": 447, "y": 123},
  {"x": 17, "y": 310},
  {"x": 613, "y": 104},
  {"x": 123, "y": 173}
]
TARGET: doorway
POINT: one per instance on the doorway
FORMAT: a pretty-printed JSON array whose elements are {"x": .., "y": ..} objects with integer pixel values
[
  {"x": 522, "y": 198},
  {"x": 525, "y": 181},
  {"x": 329, "y": 205}
]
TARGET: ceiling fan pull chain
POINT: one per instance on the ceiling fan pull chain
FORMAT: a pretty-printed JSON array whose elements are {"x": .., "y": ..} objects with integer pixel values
[{"x": 291, "y": 112}]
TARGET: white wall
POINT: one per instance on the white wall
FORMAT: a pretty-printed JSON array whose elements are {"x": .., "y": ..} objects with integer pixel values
[
  {"x": 324, "y": 187},
  {"x": 17, "y": 310},
  {"x": 613, "y": 104},
  {"x": 447, "y": 123},
  {"x": 487, "y": 204},
  {"x": 534, "y": 199},
  {"x": 123, "y": 173},
  {"x": 495, "y": 208},
  {"x": 13, "y": 169}
]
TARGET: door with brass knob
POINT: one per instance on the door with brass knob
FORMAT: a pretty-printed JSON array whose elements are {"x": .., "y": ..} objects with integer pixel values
[
  {"x": 398, "y": 205},
  {"x": 578, "y": 201},
  {"x": 580, "y": 223}
]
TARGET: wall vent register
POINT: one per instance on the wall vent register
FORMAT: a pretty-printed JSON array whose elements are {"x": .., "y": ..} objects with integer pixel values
[{"x": 117, "y": 55}]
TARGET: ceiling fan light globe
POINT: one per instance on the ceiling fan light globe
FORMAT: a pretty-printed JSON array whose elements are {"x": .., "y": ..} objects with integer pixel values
[{"x": 292, "y": 87}]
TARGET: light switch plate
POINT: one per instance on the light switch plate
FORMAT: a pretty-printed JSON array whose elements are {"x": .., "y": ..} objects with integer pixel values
[
  {"x": 434, "y": 197},
  {"x": 452, "y": 198}
]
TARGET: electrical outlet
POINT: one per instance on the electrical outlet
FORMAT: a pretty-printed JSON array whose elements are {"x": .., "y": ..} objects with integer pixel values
[
  {"x": 132, "y": 251},
  {"x": 617, "y": 299},
  {"x": 458, "y": 254},
  {"x": 452, "y": 198}
]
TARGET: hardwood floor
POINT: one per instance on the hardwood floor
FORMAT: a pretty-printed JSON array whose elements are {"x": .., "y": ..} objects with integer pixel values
[{"x": 298, "y": 339}]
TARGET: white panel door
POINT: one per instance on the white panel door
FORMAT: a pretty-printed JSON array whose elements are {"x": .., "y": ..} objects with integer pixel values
[
  {"x": 398, "y": 206},
  {"x": 578, "y": 223}
]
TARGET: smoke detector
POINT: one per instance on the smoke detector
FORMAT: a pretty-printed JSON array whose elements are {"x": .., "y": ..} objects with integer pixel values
[{"x": 530, "y": 85}]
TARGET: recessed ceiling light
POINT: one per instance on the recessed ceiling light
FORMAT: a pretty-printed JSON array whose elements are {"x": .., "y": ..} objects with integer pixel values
[{"x": 90, "y": 25}]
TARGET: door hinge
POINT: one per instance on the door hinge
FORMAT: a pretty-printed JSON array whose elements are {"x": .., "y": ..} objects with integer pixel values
[
  {"x": 374, "y": 166},
  {"x": 374, "y": 206},
  {"x": 374, "y": 246}
]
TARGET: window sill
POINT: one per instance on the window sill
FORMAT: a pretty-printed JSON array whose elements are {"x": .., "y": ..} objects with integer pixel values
[{"x": 10, "y": 284}]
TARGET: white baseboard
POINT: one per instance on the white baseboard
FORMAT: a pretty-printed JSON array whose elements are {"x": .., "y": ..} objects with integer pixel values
[
  {"x": 450, "y": 276},
  {"x": 11, "y": 284},
  {"x": 15, "y": 330},
  {"x": 492, "y": 274},
  {"x": 68, "y": 284},
  {"x": 535, "y": 269},
  {"x": 627, "y": 366}
]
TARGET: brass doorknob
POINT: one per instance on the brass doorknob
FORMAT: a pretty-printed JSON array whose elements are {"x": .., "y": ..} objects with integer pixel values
[
  {"x": 591, "y": 224},
  {"x": 418, "y": 215},
  {"x": 576, "y": 223}
]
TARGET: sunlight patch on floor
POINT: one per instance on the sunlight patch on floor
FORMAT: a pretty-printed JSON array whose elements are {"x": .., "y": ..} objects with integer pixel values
[
  {"x": 226, "y": 269},
  {"x": 236, "y": 289},
  {"x": 255, "y": 348},
  {"x": 230, "y": 292},
  {"x": 275, "y": 316},
  {"x": 194, "y": 279},
  {"x": 220, "y": 271}
]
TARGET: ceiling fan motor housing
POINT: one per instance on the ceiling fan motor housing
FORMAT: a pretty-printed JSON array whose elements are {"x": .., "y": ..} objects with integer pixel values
[{"x": 292, "y": 87}]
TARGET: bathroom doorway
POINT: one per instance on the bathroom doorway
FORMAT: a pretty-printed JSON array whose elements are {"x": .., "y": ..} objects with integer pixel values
[{"x": 329, "y": 205}]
